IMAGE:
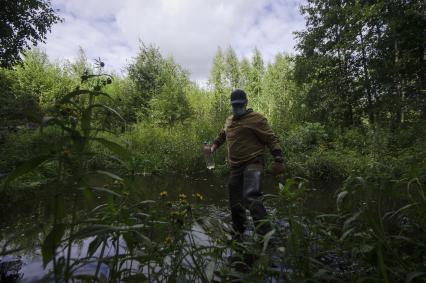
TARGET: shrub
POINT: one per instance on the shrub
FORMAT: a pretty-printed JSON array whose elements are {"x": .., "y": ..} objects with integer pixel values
[
  {"x": 173, "y": 149},
  {"x": 304, "y": 138}
]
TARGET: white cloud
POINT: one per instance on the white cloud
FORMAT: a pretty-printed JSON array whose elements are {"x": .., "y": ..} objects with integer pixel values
[{"x": 188, "y": 30}]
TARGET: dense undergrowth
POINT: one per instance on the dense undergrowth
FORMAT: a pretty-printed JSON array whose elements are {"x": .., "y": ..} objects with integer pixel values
[
  {"x": 375, "y": 233},
  {"x": 311, "y": 151}
]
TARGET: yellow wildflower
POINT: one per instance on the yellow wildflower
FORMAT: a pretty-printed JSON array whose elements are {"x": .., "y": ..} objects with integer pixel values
[
  {"x": 168, "y": 241},
  {"x": 163, "y": 194},
  {"x": 199, "y": 196},
  {"x": 182, "y": 196}
]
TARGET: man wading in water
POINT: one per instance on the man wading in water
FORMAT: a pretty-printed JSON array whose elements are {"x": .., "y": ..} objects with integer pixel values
[{"x": 247, "y": 132}]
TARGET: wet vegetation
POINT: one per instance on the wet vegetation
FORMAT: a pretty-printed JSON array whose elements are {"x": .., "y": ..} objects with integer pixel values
[{"x": 80, "y": 149}]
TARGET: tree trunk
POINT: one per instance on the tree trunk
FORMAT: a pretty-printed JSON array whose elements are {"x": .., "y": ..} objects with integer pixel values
[{"x": 367, "y": 83}]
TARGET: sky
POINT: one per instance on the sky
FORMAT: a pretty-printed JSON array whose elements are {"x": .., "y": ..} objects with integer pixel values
[{"x": 189, "y": 30}]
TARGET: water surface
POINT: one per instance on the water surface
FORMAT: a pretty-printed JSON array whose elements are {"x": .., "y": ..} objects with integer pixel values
[{"x": 26, "y": 216}]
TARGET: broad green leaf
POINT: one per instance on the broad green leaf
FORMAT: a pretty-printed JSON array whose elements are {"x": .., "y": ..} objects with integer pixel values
[
  {"x": 347, "y": 233},
  {"x": 143, "y": 239},
  {"x": 147, "y": 201},
  {"x": 105, "y": 190},
  {"x": 52, "y": 241},
  {"x": 393, "y": 214},
  {"x": 340, "y": 198},
  {"x": 289, "y": 182},
  {"x": 115, "y": 148},
  {"x": 210, "y": 270},
  {"x": 106, "y": 108},
  {"x": 25, "y": 168},
  {"x": 109, "y": 174},
  {"x": 99, "y": 207},
  {"x": 329, "y": 215},
  {"x": 94, "y": 245},
  {"x": 351, "y": 219},
  {"x": 285, "y": 189},
  {"x": 266, "y": 239}
]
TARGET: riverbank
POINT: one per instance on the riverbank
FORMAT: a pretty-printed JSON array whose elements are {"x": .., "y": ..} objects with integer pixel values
[{"x": 311, "y": 151}]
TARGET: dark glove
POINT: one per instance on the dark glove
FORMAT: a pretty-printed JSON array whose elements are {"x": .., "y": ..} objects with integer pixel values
[
  {"x": 277, "y": 168},
  {"x": 278, "y": 165}
]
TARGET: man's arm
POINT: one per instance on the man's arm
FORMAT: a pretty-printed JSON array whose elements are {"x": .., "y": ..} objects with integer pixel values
[
  {"x": 219, "y": 140},
  {"x": 265, "y": 134}
]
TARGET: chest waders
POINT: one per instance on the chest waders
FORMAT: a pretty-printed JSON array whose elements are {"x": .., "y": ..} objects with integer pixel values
[{"x": 245, "y": 193}]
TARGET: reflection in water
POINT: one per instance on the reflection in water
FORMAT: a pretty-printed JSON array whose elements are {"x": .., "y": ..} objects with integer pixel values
[{"x": 23, "y": 228}]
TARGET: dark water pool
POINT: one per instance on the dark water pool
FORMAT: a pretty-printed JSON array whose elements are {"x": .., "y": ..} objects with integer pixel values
[{"x": 26, "y": 216}]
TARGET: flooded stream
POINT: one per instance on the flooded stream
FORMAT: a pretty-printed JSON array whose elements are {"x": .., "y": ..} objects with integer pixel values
[{"x": 26, "y": 218}]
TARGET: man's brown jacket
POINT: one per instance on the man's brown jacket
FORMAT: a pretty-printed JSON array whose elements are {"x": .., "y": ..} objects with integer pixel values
[{"x": 246, "y": 138}]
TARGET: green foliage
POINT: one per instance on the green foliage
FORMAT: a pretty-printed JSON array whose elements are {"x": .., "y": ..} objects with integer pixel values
[
  {"x": 305, "y": 137},
  {"x": 171, "y": 104},
  {"x": 362, "y": 59},
  {"x": 42, "y": 80},
  {"x": 217, "y": 83},
  {"x": 15, "y": 106},
  {"x": 345, "y": 107},
  {"x": 271, "y": 90},
  {"x": 378, "y": 219},
  {"x": 255, "y": 78},
  {"x": 24, "y": 23},
  {"x": 280, "y": 95},
  {"x": 177, "y": 148},
  {"x": 73, "y": 115},
  {"x": 19, "y": 146},
  {"x": 25, "y": 168},
  {"x": 232, "y": 72},
  {"x": 125, "y": 99},
  {"x": 145, "y": 72},
  {"x": 161, "y": 87},
  {"x": 32, "y": 88}
]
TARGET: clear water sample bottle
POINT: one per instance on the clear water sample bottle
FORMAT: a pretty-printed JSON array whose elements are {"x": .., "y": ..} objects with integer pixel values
[{"x": 208, "y": 156}]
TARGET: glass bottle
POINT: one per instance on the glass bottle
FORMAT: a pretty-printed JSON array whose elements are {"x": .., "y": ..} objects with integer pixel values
[{"x": 208, "y": 156}]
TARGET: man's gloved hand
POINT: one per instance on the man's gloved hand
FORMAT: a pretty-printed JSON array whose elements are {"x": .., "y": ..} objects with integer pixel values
[
  {"x": 278, "y": 165},
  {"x": 277, "y": 168},
  {"x": 213, "y": 148}
]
